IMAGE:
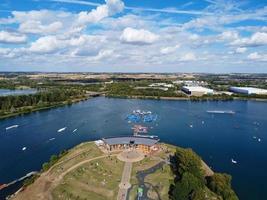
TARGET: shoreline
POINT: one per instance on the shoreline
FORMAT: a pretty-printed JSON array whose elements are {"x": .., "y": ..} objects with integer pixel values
[
  {"x": 184, "y": 98},
  {"x": 124, "y": 97},
  {"x": 56, "y": 105}
]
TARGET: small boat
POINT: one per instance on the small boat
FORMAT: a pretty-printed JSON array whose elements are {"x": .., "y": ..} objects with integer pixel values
[
  {"x": 254, "y": 137},
  {"x": 51, "y": 139},
  {"x": 202, "y": 122},
  {"x": 24, "y": 148},
  {"x": 259, "y": 140},
  {"x": 74, "y": 130},
  {"x": 10, "y": 127},
  {"x": 62, "y": 129},
  {"x": 191, "y": 125},
  {"x": 233, "y": 161}
]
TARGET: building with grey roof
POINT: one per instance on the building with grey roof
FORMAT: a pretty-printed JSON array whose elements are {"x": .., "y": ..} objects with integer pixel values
[{"x": 144, "y": 144}]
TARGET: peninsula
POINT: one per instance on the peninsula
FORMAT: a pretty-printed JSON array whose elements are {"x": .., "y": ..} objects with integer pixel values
[{"x": 127, "y": 168}]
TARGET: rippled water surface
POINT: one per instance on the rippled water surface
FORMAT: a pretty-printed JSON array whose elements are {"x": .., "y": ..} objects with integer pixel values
[{"x": 216, "y": 137}]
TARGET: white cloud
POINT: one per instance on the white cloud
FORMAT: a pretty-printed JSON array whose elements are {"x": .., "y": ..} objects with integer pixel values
[
  {"x": 47, "y": 44},
  {"x": 81, "y": 46},
  {"x": 169, "y": 49},
  {"x": 138, "y": 36},
  {"x": 241, "y": 50},
  {"x": 257, "y": 39},
  {"x": 188, "y": 57},
  {"x": 110, "y": 8},
  {"x": 4, "y": 51},
  {"x": 166, "y": 10},
  {"x": 103, "y": 54},
  {"x": 9, "y": 37},
  {"x": 36, "y": 27},
  {"x": 257, "y": 57},
  {"x": 229, "y": 35}
]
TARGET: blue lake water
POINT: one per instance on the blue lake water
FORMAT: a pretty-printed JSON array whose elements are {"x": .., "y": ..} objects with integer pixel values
[
  {"x": 7, "y": 92},
  {"x": 216, "y": 137}
]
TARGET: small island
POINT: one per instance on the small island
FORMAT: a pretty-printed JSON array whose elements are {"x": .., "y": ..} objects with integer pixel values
[{"x": 129, "y": 167}]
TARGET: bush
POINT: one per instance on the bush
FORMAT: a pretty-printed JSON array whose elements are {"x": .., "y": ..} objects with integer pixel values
[{"x": 221, "y": 185}]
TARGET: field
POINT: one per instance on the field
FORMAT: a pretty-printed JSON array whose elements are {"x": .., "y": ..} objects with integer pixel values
[
  {"x": 87, "y": 173},
  {"x": 97, "y": 180}
]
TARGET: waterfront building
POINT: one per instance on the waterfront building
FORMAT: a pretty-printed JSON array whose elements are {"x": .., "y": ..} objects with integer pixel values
[
  {"x": 196, "y": 90},
  {"x": 248, "y": 90},
  {"x": 143, "y": 144}
]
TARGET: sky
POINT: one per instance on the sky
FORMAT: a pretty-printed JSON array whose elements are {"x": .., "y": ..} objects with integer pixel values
[{"x": 212, "y": 36}]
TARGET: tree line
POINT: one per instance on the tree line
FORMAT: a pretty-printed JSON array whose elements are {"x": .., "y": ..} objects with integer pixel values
[
  {"x": 44, "y": 97},
  {"x": 191, "y": 183}
]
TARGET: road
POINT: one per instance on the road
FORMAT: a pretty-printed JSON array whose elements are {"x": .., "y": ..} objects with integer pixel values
[{"x": 125, "y": 181}]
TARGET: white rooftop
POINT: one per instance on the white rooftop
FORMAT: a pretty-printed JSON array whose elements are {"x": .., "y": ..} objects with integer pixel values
[
  {"x": 198, "y": 88},
  {"x": 251, "y": 89}
]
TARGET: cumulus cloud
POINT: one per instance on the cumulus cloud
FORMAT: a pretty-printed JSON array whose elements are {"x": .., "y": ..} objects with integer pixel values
[
  {"x": 169, "y": 49},
  {"x": 110, "y": 8},
  {"x": 241, "y": 50},
  {"x": 257, "y": 39},
  {"x": 229, "y": 35},
  {"x": 255, "y": 56},
  {"x": 54, "y": 22},
  {"x": 9, "y": 37},
  {"x": 81, "y": 46},
  {"x": 103, "y": 54},
  {"x": 138, "y": 36},
  {"x": 36, "y": 27},
  {"x": 188, "y": 57},
  {"x": 47, "y": 44},
  {"x": 63, "y": 37}
]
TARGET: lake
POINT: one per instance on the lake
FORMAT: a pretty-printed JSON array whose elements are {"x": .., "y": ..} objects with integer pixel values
[
  {"x": 7, "y": 92},
  {"x": 216, "y": 137}
]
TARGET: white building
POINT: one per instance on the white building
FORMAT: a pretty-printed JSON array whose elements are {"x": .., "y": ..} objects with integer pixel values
[
  {"x": 190, "y": 82},
  {"x": 197, "y": 90},
  {"x": 248, "y": 90},
  {"x": 161, "y": 85}
]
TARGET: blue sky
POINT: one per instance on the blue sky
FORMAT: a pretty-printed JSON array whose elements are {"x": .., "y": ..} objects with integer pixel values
[{"x": 134, "y": 36}]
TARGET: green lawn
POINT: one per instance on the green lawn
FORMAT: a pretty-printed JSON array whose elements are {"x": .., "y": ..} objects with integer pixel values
[
  {"x": 96, "y": 180},
  {"x": 77, "y": 154}
]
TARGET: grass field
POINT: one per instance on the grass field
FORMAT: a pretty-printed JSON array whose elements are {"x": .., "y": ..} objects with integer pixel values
[
  {"x": 76, "y": 155},
  {"x": 94, "y": 180}
]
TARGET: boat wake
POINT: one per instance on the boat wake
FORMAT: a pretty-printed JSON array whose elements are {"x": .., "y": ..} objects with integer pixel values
[
  {"x": 221, "y": 111},
  {"x": 61, "y": 130},
  {"x": 13, "y": 126},
  {"x": 233, "y": 161}
]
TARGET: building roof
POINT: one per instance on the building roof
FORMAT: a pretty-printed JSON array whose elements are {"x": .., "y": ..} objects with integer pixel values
[
  {"x": 197, "y": 89},
  {"x": 130, "y": 140},
  {"x": 250, "y": 89}
]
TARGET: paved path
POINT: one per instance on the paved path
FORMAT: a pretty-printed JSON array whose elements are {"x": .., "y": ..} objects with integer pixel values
[{"x": 125, "y": 181}]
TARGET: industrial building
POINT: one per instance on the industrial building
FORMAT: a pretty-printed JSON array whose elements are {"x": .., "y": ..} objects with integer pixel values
[
  {"x": 196, "y": 90},
  {"x": 248, "y": 90},
  {"x": 143, "y": 144}
]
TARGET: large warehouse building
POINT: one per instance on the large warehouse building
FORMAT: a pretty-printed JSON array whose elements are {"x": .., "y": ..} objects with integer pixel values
[
  {"x": 248, "y": 90},
  {"x": 146, "y": 145},
  {"x": 196, "y": 90}
]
